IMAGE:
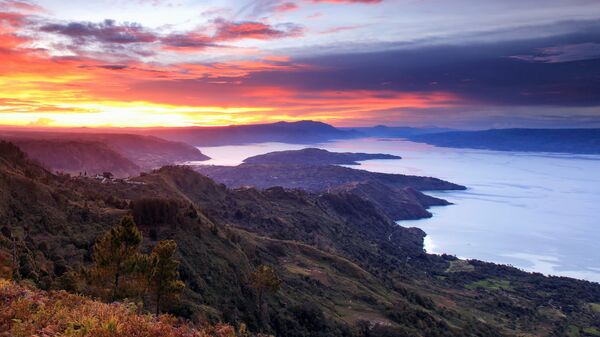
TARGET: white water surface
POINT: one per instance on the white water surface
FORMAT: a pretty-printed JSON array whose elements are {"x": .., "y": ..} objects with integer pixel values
[{"x": 535, "y": 211}]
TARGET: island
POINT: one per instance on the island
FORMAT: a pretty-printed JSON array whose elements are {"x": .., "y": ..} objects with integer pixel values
[{"x": 315, "y": 156}]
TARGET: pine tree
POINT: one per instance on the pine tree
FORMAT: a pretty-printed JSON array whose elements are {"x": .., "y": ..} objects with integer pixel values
[
  {"x": 264, "y": 279},
  {"x": 116, "y": 253},
  {"x": 163, "y": 277}
]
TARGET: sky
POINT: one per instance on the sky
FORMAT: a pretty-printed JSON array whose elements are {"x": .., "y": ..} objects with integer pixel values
[{"x": 451, "y": 63}]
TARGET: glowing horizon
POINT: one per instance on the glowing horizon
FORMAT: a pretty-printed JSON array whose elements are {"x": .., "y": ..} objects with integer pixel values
[{"x": 90, "y": 65}]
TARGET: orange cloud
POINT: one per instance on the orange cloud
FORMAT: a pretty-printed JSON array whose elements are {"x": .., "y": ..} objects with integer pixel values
[
  {"x": 338, "y": 29},
  {"x": 66, "y": 92},
  {"x": 228, "y": 31},
  {"x": 21, "y": 6},
  {"x": 39, "y": 89},
  {"x": 10, "y": 22},
  {"x": 286, "y": 7}
]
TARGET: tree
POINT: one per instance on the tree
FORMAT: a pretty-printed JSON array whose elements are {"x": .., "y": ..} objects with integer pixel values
[
  {"x": 6, "y": 265},
  {"x": 116, "y": 253},
  {"x": 162, "y": 274},
  {"x": 9, "y": 262},
  {"x": 150, "y": 212},
  {"x": 264, "y": 279}
]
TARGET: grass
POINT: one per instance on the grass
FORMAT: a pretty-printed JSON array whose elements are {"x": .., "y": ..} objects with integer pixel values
[
  {"x": 28, "y": 312},
  {"x": 572, "y": 331},
  {"x": 595, "y": 307},
  {"x": 459, "y": 266},
  {"x": 592, "y": 331},
  {"x": 490, "y": 284},
  {"x": 575, "y": 331}
]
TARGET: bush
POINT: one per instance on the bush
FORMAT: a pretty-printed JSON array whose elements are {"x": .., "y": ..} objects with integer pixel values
[
  {"x": 154, "y": 211},
  {"x": 27, "y": 312}
]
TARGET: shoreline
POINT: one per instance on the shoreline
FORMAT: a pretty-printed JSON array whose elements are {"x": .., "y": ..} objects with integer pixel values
[{"x": 518, "y": 188}]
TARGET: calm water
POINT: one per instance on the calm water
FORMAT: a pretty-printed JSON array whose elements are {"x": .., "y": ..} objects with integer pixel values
[{"x": 535, "y": 211}]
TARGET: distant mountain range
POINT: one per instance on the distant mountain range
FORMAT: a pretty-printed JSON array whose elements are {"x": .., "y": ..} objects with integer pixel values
[
  {"x": 121, "y": 154},
  {"x": 128, "y": 151},
  {"x": 579, "y": 141},
  {"x": 302, "y": 132},
  {"x": 582, "y": 141},
  {"x": 395, "y": 131}
]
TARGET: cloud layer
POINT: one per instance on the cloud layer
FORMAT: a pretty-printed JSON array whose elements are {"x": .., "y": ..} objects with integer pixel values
[{"x": 264, "y": 64}]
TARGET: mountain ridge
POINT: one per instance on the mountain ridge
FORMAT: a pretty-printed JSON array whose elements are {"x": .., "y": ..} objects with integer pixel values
[
  {"x": 123, "y": 155},
  {"x": 300, "y": 132},
  {"x": 578, "y": 141}
]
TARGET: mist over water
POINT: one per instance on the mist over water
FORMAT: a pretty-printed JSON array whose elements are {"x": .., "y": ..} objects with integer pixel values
[{"x": 535, "y": 211}]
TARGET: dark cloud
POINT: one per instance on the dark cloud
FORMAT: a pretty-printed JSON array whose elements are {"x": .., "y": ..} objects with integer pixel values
[
  {"x": 564, "y": 53},
  {"x": 117, "y": 35},
  {"x": 482, "y": 73},
  {"x": 107, "y": 66},
  {"x": 107, "y": 31},
  {"x": 187, "y": 41}
]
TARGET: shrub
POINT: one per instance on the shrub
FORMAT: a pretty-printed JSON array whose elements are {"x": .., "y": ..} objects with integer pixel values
[
  {"x": 154, "y": 211},
  {"x": 28, "y": 312}
]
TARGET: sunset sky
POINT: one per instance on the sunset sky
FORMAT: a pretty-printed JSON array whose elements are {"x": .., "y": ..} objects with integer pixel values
[{"x": 453, "y": 63}]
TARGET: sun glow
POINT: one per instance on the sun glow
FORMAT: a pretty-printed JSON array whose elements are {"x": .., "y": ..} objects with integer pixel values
[
  {"x": 129, "y": 114},
  {"x": 106, "y": 79}
]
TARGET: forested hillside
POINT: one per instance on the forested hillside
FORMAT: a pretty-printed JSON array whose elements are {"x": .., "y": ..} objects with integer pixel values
[{"x": 278, "y": 261}]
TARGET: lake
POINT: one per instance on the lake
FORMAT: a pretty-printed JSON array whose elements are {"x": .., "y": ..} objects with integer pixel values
[{"x": 535, "y": 211}]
